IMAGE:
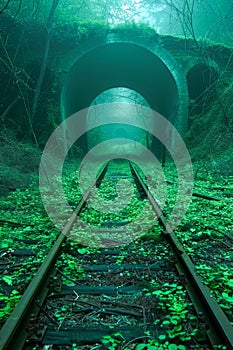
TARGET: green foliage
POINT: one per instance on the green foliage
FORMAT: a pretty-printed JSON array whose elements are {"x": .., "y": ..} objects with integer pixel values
[
  {"x": 25, "y": 221},
  {"x": 74, "y": 32},
  {"x": 92, "y": 29},
  {"x": 112, "y": 341},
  {"x": 10, "y": 303},
  {"x": 78, "y": 31},
  {"x": 227, "y": 297},
  {"x": 210, "y": 134},
  {"x": 171, "y": 299},
  {"x": 18, "y": 160},
  {"x": 157, "y": 345},
  {"x": 136, "y": 30}
]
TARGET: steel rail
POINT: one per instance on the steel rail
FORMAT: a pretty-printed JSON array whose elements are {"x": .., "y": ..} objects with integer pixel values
[
  {"x": 11, "y": 330},
  {"x": 220, "y": 329}
]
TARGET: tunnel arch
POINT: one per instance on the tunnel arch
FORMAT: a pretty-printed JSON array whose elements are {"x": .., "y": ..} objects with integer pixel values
[
  {"x": 120, "y": 130},
  {"x": 119, "y": 62},
  {"x": 201, "y": 81}
]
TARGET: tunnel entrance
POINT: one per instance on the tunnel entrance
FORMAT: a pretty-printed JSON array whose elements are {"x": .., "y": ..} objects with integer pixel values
[
  {"x": 117, "y": 62},
  {"x": 201, "y": 80},
  {"x": 120, "y": 130}
]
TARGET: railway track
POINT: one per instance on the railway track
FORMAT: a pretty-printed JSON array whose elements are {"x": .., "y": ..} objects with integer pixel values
[{"x": 130, "y": 291}]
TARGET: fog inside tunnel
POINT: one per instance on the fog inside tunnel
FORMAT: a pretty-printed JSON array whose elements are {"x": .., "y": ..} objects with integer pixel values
[
  {"x": 117, "y": 70},
  {"x": 126, "y": 137}
]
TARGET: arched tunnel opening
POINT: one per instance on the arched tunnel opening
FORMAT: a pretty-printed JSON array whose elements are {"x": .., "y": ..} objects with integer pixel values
[
  {"x": 124, "y": 133},
  {"x": 152, "y": 73},
  {"x": 201, "y": 80}
]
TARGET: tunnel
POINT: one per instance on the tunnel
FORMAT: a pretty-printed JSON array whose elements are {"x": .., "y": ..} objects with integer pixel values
[
  {"x": 202, "y": 86},
  {"x": 115, "y": 62}
]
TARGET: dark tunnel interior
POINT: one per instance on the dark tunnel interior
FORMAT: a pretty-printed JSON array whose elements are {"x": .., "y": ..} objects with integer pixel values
[
  {"x": 120, "y": 65},
  {"x": 201, "y": 80}
]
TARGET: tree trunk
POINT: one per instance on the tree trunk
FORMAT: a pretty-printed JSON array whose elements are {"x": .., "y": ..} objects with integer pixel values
[{"x": 45, "y": 59}]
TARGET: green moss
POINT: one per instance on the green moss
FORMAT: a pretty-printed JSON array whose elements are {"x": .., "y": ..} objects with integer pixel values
[
  {"x": 135, "y": 30},
  {"x": 88, "y": 29},
  {"x": 76, "y": 32}
]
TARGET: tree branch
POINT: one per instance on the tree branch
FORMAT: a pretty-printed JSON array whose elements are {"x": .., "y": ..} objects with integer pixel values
[{"x": 5, "y": 6}]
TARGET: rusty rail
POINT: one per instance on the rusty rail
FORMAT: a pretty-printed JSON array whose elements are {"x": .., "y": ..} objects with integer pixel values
[
  {"x": 220, "y": 330},
  {"x": 13, "y": 334}
]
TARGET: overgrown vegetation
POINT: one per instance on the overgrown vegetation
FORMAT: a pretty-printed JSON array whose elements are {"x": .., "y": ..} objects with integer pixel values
[
  {"x": 34, "y": 37},
  {"x": 19, "y": 162},
  {"x": 203, "y": 233},
  {"x": 211, "y": 132},
  {"x": 30, "y": 99}
]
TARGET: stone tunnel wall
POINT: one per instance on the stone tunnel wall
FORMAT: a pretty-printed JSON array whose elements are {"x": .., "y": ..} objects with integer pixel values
[
  {"x": 178, "y": 55},
  {"x": 156, "y": 73}
]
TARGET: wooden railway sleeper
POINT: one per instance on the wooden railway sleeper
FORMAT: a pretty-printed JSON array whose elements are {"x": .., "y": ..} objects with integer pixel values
[
  {"x": 15, "y": 330},
  {"x": 38, "y": 336},
  {"x": 55, "y": 284},
  {"x": 220, "y": 331},
  {"x": 188, "y": 275},
  {"x": 33, "y": 326}
]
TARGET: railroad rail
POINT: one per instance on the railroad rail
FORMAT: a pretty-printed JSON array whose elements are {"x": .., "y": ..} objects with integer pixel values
[
  {"x": 22, "y": 327},
  {"x": 220, "y": 330}
]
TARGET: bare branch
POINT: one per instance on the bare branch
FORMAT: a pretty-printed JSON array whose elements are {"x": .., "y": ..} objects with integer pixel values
[{"x": 5, "y": 6}]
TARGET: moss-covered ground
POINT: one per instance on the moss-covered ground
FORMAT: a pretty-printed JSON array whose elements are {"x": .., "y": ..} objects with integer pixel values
[{"x": 206, "y": 233}]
